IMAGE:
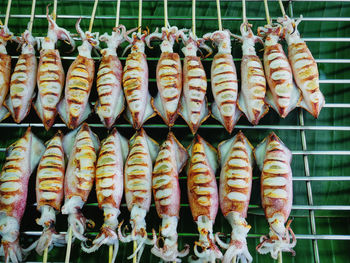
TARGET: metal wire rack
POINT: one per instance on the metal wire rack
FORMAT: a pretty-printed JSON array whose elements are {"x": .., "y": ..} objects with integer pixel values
[{"x": 295, "y": 126}]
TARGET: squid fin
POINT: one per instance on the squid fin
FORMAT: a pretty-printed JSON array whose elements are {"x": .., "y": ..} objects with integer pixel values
[
  {"x": 260, "y": 152},
  {"x": 243, "y": 107},
  {"x": 217, "y": 115},
  {"x": 4, "y": 113},
  {"x": 149, "y": 112},
  {"x": 37, "y": 150},
  {"x": 68, "y": 141},
  {"x": 153, "y": 147},
  {"x": 124, "y": 144},
  {"x": 158, "y": 107},
  {"x": 181, "y": 153}
]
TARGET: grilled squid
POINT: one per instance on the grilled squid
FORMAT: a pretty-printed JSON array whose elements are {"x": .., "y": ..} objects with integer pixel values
[
  {"x": 138, "y": 188},
  {"x": 135, "y": 81},
  {"x": 5, "y": 70},
  {"x": 224, "y": 81},
  {"x": 109, "y": 79},
  {"x": 273, "y": 159},
  {"x": 236, "y": 157},
  {"x": 80, "y": 146},
  {"x": 21, "y": 159},
  {"x": 304, "y": 68},
  {"x": 283, "y": 96},
  {"x": 23, "y": 79},
  {"x": 109, "y": 189},
  {"x": 166, "y": 192},
  {"x": 169, "y": 76},
  {"x": 193, "y": 104},
  {"x": 74, "y": 108},
  {"x": 203, "y": 196},
  {"x": 50, "y": 76},
  {"x": 251, "y": 100},
  {"x": 49, "y": 192}
]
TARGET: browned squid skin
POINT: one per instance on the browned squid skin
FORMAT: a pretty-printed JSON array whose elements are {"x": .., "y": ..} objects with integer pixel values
[{"x": 49, "y": 64}]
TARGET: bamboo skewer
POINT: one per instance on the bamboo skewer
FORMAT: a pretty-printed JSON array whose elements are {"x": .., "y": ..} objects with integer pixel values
[
  {"x": 139, "y": 24},
  {"x": 45, "y": 255},
  {"x": 117, "y": 14},
  {"x": 279, "y": 257},
  {"x": 166, "y": 13},
  {"x": 268, "y": 20},
  {"x": 244, "y": 11},
  {"x": 134, "y": 259},
  {"x": 69, "y": 244},
  {"x": 194, "y": 17},
  {"x": 32, "y": 12},
  {"x": 93, "y": 15},
  {"x": 8, "y": 8},
  {"x": 282, "y": 8},
  {"x": 54, "y": 10},
  {"x": 219, "y": 14},
  {"x": 110, "y": 254}
]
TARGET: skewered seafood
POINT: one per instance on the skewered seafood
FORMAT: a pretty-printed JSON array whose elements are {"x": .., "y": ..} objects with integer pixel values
[
  {"x": 203, "y": 196},
  {"x": 193, "y": 104},
  {"x": 224, "y": 81},
  {"x": 109, "y": 77},
  {"x": 80, "y": 147},
  {"x": 50, "y": 78},
  {"x": 169, "y": 76},
  {"x": 49, "y": 192},
  {"x": 138, "y": 188},
  {"x": 74, "y": 108},
  {"x": 273, "y": 159},
  {"x": 5, "y": 70},
  {"x": 304, "y": 68},
  {"x": 135, "y": 81},
  {"x": 23, "y": 79},
  {"x": 236, "y": 157},
  {"x": 253, "y": 87},
  {"x": 109, "y": 189},
  {"x": 282, "y": 95},
  {"x": 21, "y": 159},
  {"x": 166, "y": 191}
]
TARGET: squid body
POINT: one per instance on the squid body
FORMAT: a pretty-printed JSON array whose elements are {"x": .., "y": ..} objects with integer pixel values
[
  {"x": 21, "y": 159},
  {"x": 193, "y": 104},
  {"x": 169, "y": 76},
  {"x": 109, "y": 79},
  {"x": 5, "y": 70},
  {"x": 236, "y": 157},
  {"x": 49, "y": 192},
  {"x": 203, "y": 196},
  {"x": 23, "y": 79},
  {"x": 50, "y": 76},
  {"x": 166, "y": 191},
  {"x": 304, "y": 68},
  {"x": 109, "y": 189},
  {"x": 282, "y": 95},
  {"x": 253, "y": 85},
  {"x": 135, "y": 82},
  {"x": 74, "y": 108},
  {"x": 224, "y": 81},
  {"x": 80, "y": 147},
  {"x": 273, "y": 159},
  {"x": 138, "y": 188}
]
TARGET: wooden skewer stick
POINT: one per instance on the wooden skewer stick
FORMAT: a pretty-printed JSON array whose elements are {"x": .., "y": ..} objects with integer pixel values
[
  {"x": 134, "y": 259},
  {"x": 69, "y": 244},
  {"x": 244, "y": 11},
  {"x": 110, "y": 254},
  {"x": 234, "y": 259},
  {"x": 194, "y": 17},
  {"x": 45, "y": 255},
  {"x": 32, "y": 12},
  {"x": 219, "y": 14},
  {"x": 267, "y": 12},
  {"x": 282, "y": 7},
  {"x": 54, "y": 10},
  {"x": 279, "y": 257},
  {"x": 166, "y": 13},
  {"x": 139, "y": 24},
  {"x": 8, "y": 8},
  {"x": 117, "y": 14},
  {"x": 93, "y": 15}
]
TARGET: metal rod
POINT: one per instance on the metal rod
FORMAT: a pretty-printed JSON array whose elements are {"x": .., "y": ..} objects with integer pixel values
[
  {"x": 117, "y": 16},
  {"x": 268, "y": 20},
  {"x": 54, "y": 15},
  {"x": 166, "y": 13},
  {"x": 8, "y": 8},
  {"x": 219, "y": 14},
  {"x": 93, "y": 15},
  {"x": 140, "y": 17},
  {"x": 194, "y": 17},
  {"x": 31, "y": 21}
]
